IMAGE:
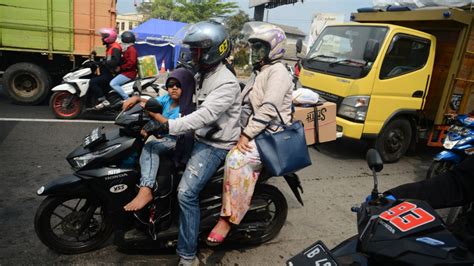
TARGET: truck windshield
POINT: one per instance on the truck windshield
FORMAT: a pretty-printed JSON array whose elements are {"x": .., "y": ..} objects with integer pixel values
[{"x": 342, "y": 50}]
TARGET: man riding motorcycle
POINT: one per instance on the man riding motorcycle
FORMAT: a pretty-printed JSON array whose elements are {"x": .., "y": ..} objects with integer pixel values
[
  {"x": 100, "y": 85},
  {"x": 215, "y": 122}
]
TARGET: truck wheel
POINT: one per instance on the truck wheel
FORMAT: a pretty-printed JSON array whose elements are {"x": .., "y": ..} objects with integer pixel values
[
  {"x": 394, "y": 140},
  {"x": 26, "y": 83}
]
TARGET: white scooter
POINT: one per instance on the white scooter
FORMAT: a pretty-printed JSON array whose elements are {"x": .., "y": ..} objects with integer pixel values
[{"x": 70, "y": 98}]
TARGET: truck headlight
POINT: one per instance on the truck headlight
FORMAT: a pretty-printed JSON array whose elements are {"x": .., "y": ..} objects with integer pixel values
[
  {"x": 81, "y": 161},
  {"x": 354, "y": 107}
]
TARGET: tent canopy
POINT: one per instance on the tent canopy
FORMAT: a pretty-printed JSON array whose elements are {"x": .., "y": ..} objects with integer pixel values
[
  {"x": 154, "y": 38},
  {"x": 157, "y": 29}
]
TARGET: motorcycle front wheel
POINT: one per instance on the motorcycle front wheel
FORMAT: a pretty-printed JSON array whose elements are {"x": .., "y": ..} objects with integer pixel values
[
  {"x": 268, "y": 207},
  {"x": 438, "y": 167},
  {"x": 72, "y": 224},
  {"x": 65, "y": 105}
]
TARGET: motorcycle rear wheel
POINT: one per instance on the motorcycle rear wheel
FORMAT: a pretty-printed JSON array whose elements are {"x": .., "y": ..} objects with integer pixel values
[
  {"x": 62, "y": 223},
  {"x": 269, "y": 199}
]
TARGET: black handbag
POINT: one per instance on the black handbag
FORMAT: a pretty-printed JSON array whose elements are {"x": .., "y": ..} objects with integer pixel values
[{"x": 283, "y": 152}]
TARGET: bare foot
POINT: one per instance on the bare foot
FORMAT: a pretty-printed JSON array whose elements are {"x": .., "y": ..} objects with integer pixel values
[
  {"x": 143, "y": 197},
  {"x": 222, "y": 228}
]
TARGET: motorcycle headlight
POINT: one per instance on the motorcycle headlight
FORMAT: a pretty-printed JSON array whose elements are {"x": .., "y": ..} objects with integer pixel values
[
  {"x": 81, "y": 161},
  {"x": 354, "y": 107}
]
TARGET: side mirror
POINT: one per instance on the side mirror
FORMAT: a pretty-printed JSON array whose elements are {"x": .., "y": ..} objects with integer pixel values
[
  {"x": 299, "y": 46},
  {"x": 371, "y": 50},
  {"x": 374, "y": 160},
  {"x": 152, "y": 105}
]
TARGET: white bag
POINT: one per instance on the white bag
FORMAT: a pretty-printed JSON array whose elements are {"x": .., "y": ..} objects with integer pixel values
[{"x": 305, "y": 96}]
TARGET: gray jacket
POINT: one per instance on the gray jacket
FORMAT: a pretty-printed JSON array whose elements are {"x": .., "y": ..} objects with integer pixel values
[{"x": 216, "y": 120}]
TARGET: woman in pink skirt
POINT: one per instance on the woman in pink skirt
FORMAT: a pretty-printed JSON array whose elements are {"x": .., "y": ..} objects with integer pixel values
[{"x": 269, "y": 83}]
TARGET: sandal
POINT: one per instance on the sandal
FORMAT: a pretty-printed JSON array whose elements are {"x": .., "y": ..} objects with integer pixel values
[{"x": 214, "y": 239}]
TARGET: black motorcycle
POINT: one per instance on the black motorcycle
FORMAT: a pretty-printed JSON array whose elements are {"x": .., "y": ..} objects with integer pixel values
[
  {"x": 83, "y": 209},
  {"x": 391, "y": 232}
]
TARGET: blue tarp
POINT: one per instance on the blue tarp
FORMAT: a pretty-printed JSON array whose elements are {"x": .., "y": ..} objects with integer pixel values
[{"x": 154, "y": 38}]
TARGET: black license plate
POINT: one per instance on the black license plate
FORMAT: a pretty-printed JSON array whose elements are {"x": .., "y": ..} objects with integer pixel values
[
  {"x": 316, "y": 254},
  {"x": 94, "y": 137}
]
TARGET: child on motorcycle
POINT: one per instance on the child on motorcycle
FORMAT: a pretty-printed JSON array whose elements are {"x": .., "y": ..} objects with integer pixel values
[
  {"x": 128, "y": 65},
  {"x": 177, "y": 103}
]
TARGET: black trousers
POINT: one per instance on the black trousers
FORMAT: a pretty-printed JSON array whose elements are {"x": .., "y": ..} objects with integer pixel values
[
  {"x": 99, "y": 86},
  {"x": 450, "y": 189}
]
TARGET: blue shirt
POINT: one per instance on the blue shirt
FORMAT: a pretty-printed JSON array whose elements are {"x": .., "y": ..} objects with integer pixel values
[{"x": 166, "y": 102}]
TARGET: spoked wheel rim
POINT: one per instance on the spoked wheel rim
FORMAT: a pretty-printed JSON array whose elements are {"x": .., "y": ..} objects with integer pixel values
[
  {"x": 72, "y": 224},
  {"x": 66, "y": 104},
  {"x": 77, "y": 222}
]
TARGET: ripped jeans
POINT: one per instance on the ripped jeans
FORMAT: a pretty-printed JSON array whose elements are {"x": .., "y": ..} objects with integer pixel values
[{"x": 203, "y": 163}]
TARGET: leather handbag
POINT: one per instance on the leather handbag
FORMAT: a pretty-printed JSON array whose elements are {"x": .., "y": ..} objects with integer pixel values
[{"x": 283, "y": 152}]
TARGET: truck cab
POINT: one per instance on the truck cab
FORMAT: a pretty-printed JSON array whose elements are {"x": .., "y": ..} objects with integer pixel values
[{"x": 380, "y": 75}]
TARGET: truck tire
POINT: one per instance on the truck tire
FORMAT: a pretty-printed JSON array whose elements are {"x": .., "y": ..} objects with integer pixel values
[
  {"x": 394, "y": 140},
  {"x": 26, "y": 83}
]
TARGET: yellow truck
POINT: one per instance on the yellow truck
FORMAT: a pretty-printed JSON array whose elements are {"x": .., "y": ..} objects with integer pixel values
[{"x": 394, "y": 75}]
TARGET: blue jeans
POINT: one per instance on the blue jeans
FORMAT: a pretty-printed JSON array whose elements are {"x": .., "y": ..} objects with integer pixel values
[
  {"x": 150, "y": 159},
  {"x": 201, "y": 166},
  {"x": 116, "y": 84}
]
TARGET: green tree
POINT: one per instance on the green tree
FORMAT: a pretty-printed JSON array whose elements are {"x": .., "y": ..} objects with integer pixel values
[
  {"x": 234, "y": 25},
  {"x": 186, "y": 11}
]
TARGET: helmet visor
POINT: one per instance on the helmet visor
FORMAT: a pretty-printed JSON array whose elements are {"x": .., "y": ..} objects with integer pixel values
[{"x": 258, "y": 51}]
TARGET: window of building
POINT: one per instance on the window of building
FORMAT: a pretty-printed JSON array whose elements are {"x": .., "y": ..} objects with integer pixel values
[
  {"x": 405, "y": 54},
  {"x": 130, "y": 25},
  {"x": 122, "y": 26}
]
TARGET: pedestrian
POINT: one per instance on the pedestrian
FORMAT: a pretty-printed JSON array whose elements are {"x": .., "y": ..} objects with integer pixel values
[{"x": 269, "y": 87}]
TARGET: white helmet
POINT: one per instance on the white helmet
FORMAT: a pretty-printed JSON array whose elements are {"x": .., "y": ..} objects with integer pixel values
[{"x": 273, "y": 35}]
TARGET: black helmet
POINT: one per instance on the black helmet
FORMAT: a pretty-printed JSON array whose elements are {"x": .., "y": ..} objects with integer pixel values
[
  {"x": 209, "y": 40},
  {"x": 128, "y": 37}
]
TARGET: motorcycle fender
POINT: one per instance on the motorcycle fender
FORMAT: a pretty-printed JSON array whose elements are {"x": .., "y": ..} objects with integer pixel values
[
  {"x": 294, "y": 182},
  {"x": 448, "y": 156},
  {"x": 346, "y": 253},
  {"x": 64, "y": 185},
  {"x": 65, "y": 87}
]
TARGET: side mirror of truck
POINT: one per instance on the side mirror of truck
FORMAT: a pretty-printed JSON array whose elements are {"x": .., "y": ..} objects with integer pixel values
[
  {"x": 371, "y": 50},
  {"x": 299, "y": 46}
]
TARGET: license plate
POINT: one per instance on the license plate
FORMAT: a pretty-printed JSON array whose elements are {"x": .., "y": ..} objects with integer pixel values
[
  {"x": 94, "y": 137},
  {"x": 316, "y": 254}
]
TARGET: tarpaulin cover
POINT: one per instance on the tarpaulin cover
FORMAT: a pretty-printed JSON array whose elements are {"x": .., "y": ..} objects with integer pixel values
[
  {"x": 421, "y": 3},
  {"x": 154, "y": 38}
]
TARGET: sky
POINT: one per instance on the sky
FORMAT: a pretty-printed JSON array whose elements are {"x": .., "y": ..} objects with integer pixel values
[{"x": 298, "y": 15}]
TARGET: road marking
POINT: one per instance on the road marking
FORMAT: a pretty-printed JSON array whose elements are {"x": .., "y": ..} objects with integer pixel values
[{"x": 55, "y": 120}]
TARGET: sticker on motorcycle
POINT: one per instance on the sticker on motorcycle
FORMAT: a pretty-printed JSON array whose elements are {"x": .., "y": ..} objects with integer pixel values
[
  {"x": 118, "y": 188},
  {"x": 406, "y": 216}
]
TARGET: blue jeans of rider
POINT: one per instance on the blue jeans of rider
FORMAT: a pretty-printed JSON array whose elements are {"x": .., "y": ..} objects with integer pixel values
[
  {"x": 150, "y": 159},
  {"x": 117, "y": 83},
  {"x": 203, "y": 163}
]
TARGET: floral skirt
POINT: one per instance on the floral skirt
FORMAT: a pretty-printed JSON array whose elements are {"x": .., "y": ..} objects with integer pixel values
[{"x": 241, "y": 172}]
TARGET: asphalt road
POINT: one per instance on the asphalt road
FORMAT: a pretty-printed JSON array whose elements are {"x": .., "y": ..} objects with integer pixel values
[{"x": 32, "y": 152}]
